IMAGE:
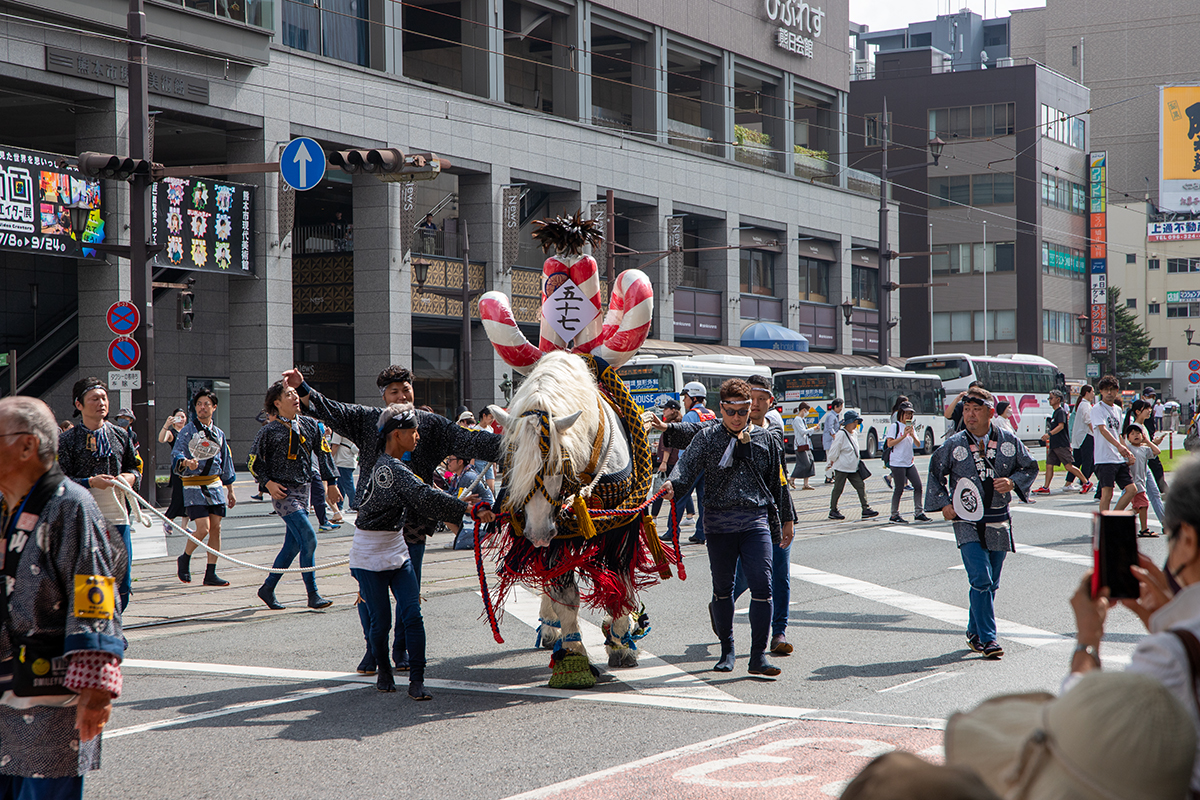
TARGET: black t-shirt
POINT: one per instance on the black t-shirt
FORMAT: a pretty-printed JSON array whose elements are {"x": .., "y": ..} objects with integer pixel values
[
  {"x": 1151, "y": 424},
  {"x": 956, "y": 417},
  {"x": 1063, "y": 437}
]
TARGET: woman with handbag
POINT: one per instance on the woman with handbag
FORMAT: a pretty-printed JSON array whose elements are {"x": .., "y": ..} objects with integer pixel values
[
  {"x": 847, "y": 466},
  {"x": 804, "y": 461}
]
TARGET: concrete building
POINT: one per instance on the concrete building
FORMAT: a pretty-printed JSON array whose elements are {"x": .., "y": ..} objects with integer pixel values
[
  {"x": 1004, "y": 212},
  {"x": 730, "y": 123}
]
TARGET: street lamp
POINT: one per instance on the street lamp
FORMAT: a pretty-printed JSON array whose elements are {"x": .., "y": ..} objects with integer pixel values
[
  {"x": 847, "y": 310},
  {"x": 1084, "y": 320},
  {"x": 1189, "y": 333}
]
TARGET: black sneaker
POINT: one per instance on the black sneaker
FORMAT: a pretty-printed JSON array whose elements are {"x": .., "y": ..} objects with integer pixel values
[
  {"x": 993, "y": 651},
  {"x": 836, "y": 515},
  {"x": 867, "y": 513},
  {"x": 897, "y": 519},
  {"x": 974, "y": 644},
  {"x": 921, "y": 518},
  {"x": 888, "y": 480},
  {"x": 367, "y": 665}
]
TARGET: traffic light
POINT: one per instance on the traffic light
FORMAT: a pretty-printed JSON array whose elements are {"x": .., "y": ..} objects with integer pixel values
[
  {"x": 185, "y": 310},
  {"x": 389, "y": 164},
  {"x": 119, "y": 168}
]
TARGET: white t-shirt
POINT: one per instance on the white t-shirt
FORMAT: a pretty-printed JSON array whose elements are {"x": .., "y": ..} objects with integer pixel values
[
  {"x": 1159, "y": 410},
  {"x": 902, "y": 451},
  {"x": 346, "y": 451},
  {"x": 1104, "y": 452},
  {"x": 1079, "y": 425}
]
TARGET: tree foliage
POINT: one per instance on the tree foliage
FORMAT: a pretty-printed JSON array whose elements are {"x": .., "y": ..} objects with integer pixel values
[{"x": 1132, "y": 341}]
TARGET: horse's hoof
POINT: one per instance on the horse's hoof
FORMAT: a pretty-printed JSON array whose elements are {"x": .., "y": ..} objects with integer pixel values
[
  {"x": 622, "y": 659},
  {"x": 614, "y": 659}
]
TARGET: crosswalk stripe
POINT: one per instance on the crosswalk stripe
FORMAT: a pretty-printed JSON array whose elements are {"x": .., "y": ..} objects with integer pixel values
[
  {"x": 1022, "y": 549},
  {"x": 1049, "y": 512}
]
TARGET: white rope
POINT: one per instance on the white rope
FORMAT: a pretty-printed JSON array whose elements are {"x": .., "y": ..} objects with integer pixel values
[{"x": 139, "y": 502}]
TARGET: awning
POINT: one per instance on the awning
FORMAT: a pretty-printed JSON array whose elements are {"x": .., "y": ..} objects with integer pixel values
[
  {"x": 769, "y": 336},
  {"x": 775, "y": 359}
]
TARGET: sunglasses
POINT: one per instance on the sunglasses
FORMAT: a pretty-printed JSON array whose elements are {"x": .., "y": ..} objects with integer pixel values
[{"x": 741, "y": 412}]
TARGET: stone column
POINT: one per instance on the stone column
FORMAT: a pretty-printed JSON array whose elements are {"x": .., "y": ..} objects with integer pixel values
[
  {"x": 729, "y": 281},
  {"x": 483, "y": 48},
  {"x": 647, "y": 233},
  {"x": 840, "y": 291},
  {"x": 481, "y": 210},
  {"x": 382, "y": 285}
]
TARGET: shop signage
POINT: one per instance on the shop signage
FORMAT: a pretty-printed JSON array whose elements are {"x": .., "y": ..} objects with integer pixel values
[
  {"x": 799, "y": 24},
  {"x": 1184, "y": 296},
  {"x": 36, "y": 191},
  {"x": 1179, "y": 148},
  {"x": 1172, "y": 231},
  {"x": 205, "y": 225},
  {"x": 1098, "y": 255},
  {"x": 115, "y": 72}
]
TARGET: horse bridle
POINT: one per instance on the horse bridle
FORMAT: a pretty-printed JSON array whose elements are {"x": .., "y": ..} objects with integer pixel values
[{"x": 572, "y": 482}]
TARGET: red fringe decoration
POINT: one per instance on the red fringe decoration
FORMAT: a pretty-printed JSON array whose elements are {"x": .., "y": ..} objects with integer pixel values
[{"x": 488, "y": 608}]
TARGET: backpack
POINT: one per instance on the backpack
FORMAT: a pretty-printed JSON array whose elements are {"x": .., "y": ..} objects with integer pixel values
[{"x": 886, "y": 453}]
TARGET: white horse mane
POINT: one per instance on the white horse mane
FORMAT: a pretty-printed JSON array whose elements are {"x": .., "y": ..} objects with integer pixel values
[{"x": 561, "y": 384}]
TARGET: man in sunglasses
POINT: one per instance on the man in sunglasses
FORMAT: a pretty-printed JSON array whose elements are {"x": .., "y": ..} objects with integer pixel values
[
  {"x": 747, "y": 509},
  {"x": 971, "y": 478}
]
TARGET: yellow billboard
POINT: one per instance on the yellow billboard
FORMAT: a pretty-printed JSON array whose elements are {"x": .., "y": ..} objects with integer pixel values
[{"x": 1179, "y": 148}]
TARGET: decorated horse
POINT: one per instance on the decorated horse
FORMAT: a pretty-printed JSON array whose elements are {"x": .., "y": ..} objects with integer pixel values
[{"x": 578, "y": 467}]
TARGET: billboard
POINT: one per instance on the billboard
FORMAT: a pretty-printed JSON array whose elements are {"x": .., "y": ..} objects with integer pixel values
[
  {"x": 36, "y": 192},
  {"x": 1179, "y": 148},
  {"x": 1098, "y": 250},
  {"x": 205, "y": 225}
]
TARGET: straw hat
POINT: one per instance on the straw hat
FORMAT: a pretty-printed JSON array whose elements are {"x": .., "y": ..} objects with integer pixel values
[{"x": 1113, "y": 736}]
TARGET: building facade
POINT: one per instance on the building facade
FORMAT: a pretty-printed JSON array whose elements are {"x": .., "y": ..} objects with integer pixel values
[
  {"x": 999, "y": 226},
  {"x": 727, "y": 128}
]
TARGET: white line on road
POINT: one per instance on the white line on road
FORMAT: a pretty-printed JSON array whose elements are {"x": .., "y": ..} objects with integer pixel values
[
  {"x": 1069, "y": 514},
  {"x": 1022, "y": 549},
  {"x": 925, "y": 680},
  {"x": 914, "y": 604}
]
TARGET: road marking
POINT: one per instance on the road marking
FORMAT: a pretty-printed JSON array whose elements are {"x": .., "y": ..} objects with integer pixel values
[
  {"x": 914, "y": 604},
  {"x": 925, "y": 680},
  {"x": 652, "y": 675},
  {"x": 234, "y": 709},
  {"x": 634, "y": 699},
  {"x": 1153, "y": 523},
  {"x": 1022, "y": 549},
  {"x": 669, "y": 755}
]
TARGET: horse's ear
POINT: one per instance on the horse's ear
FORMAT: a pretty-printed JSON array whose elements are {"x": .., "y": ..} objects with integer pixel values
[
  {"x": 562, "y": 423},
  {"x": 502, "y": 416}
]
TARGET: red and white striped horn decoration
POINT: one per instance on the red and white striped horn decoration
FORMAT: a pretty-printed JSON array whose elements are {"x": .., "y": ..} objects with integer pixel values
[
  {"x": 584, "y": 273},
  {"x": 501, "y": 326},
  {"x": 630, "y": 313}
]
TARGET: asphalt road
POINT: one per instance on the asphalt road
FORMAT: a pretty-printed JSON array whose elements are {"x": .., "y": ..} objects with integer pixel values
[{"x": 253, "y": 704}]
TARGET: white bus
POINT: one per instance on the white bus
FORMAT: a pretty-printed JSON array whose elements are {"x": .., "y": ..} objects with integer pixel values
[
  {"x": 871, "y": 391},
  {"x": 653, "y": 380},
  {"x": 1024, "y": 381}
]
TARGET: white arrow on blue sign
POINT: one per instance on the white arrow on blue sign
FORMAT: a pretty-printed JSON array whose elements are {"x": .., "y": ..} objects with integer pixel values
[{"x": 302, "y": 164}]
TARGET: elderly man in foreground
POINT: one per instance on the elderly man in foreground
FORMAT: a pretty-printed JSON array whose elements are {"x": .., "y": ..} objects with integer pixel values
[{"x": 60, "y": 627}]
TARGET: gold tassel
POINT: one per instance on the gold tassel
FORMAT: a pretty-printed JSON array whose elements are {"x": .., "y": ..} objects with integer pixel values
[{"x": 586, "y": 527}]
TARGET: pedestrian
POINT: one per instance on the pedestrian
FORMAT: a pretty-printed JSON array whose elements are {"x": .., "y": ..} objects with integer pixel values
[
  {"x": 65, "y": 425},
  {"x": 983, "y": 465},
  {"x": 345, "y": 455},
  {"x": 481, "y": 466},
  {"x": 749, "y": 508},
  {"x": 262, "y": 418},
  {"x": 1058, "y": 444},
  {"x": 1143, "y": 448},
  {"x": 844, "y": 459},
  {"x": 379, "y": 558},
  {"x": 666, "y": 457},
  {"x": 1003, "y": 417},
  {"x": 95, "y": 454},
  {"x": 694, "y": 398},
  {"x": 1152, "y": 422},
  {"x": 801, "y": 430},
  {"x": 62, "y": 645},
  {"x": 175, "y": 509},
  {"x": 831, "y": 423},
  {"x": 901, "y": 437},
  {"x": 954, "y": 409},
  {"x": 125, "y": 419},
  {"x": 439, "y": 437},
  {"x": 1112, "y": 457},
  {"x": 284, "y": 454},
  {"x": 465, "y": 481},
  {"x": 1081, "y": 438},
  {"x": 202, "y": 459},
  {"x": 1141, "y": 412},
  {"x": 317, "y": 489}
]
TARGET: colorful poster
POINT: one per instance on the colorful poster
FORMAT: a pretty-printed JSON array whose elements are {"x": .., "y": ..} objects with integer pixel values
[
  {"x": 1179, "y": 148},
  {"x": 37, "y": 191},
  {"x": 1098, "y": 225},
  {"x": 205, "y": 224}
]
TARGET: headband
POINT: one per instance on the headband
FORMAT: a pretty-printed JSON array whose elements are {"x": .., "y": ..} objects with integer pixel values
[
  {"x": 973, "y": 399},
  {"x": 405, "y": 420},
  {"x": 88, "y": 388},
  {"x": 736, "y": 402}
]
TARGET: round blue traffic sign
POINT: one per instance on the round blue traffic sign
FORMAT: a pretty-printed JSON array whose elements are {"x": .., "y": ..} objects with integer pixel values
[
  {"x": 302, "y": 164},
  {"x": 1194, "y": 378},
  {"x": 1194, "y": 365},
  {"x": 124, "y": 353},
  {"x": 123, "y": 318}
]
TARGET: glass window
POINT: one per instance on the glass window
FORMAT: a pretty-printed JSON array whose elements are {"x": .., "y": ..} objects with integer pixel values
[
  {"x": 1131, "y": 302},
  {"x": 872, "y": 129},
  {"x": 960, "y": 122},
  {"x": 1004, "y": 256},
  {"x": 1005, "y": 119},
  {"x": 1003, "y": 188},
  {"x": 981, "y": 121},
  {"x": 981, "y": 190},
  {"x": 941, "y": 329},
  {"x": 1152, "y": 264},
  {"x": 938, "y": 122},
  {"x": 865, "y": 286},
  {"x": 758, "y": 272},
  {"x": 814, "y": 280},
  {"x": 1152, "y": 308}
]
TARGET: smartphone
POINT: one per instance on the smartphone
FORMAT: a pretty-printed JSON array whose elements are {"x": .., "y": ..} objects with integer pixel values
[{"x": 1114, "y": 549}]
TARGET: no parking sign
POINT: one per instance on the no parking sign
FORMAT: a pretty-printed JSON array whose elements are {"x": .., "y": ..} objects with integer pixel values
[{"x": 124, "y": 353}]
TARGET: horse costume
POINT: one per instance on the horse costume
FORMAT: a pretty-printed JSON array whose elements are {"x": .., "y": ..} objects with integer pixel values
[{"x": 578, "y": 462}]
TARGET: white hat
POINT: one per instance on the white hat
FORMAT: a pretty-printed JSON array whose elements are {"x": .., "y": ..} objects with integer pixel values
[
  {"x": 465, "y": 416},
  {"x": 694, "y": 390},
  {"x": 1113, "y": 736}
]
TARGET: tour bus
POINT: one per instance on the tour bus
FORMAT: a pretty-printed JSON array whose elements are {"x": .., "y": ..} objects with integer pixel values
[
  {"x": 871, "y": 391},
  {"x": 653, "y": 380},
  {"x": 1024, "y": 381}
]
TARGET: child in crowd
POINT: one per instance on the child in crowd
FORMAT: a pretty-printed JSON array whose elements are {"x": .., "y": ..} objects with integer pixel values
[{"x": 1143, "y": 448}]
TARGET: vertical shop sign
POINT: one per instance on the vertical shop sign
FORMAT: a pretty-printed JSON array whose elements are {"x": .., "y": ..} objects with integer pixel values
[{"x": 1098, "y": 250}]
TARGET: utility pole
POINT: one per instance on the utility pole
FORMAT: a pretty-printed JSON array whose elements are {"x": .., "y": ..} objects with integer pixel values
[
  {"x": 141, "y": 292},
  {"x": 884, "y": 279},
  {"x": 466, "y": 313}
]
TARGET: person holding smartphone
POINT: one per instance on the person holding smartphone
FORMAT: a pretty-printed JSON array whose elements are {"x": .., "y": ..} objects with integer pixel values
[
  {"x": 167, "y": 434},
  {"x": 901, "y": 437}
]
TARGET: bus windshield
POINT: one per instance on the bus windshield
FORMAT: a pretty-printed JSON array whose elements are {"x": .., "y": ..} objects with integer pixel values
[
  {"x": 946, "y": 369},
  {"x": 791, "y": 387},
  {"x": 648, "y": 377}
]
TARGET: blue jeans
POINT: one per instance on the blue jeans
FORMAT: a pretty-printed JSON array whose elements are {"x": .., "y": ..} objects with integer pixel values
[
  {"x": 317, "y": 498},
  {"x": 781, "y": 587},
  {"x": 699, "y": 534},
  {"x": 14, "y": 787},
  {"x": 345, "y": 484},
  {"x": 983, "y": 571},
  {"x": 125, "y": 585},
  {"x": 406, "y": 588},
  {"x": 673, "y": 516},
  {"x": 416, "y": 554},
  {"x": 1154, "y": 496},
  {"x": 298, "y": 538},
  {"x": 741, "y": 536}
]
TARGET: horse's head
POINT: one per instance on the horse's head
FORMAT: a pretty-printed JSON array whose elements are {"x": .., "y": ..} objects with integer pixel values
[{"x": 549, "y": 430}]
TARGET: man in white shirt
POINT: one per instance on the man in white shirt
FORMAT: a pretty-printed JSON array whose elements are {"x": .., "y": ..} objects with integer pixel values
[{"x": 1111, "y": 455}]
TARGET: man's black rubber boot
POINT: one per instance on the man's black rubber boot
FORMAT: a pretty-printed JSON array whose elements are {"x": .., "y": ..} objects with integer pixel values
[
  {"x": 184, "y": 568},
  {"x": 383, "y": 680},
  {"x": 267, "y": 595},
  {"x": 316, "y": 601},
  {"x": 211, "y": 578}
]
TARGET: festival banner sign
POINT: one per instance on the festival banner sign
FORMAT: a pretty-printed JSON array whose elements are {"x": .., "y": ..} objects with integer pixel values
[
  {"x": 37, "y": 191},
  {"x": 205, "y": 224}
]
